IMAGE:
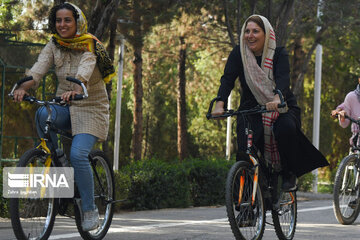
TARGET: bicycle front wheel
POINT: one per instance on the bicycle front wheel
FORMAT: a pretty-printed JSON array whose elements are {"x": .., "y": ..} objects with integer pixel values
[
  {"x": 346, "y": 190},
  {"x": 246, "y": 217},
  {"x": 104, "y": 190},
  {"x": 285, "y": 216},
  {"x": 33, "y": 218}
]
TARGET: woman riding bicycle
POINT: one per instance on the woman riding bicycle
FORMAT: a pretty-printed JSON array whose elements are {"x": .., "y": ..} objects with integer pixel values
[
  {"x": 75, "y": 53},
  {"x": 261, "y": 68},
  {"x": 351, "y": 108}
]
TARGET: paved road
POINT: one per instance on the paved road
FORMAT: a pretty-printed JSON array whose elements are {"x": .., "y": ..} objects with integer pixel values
[{"x": 315, "y": 221}]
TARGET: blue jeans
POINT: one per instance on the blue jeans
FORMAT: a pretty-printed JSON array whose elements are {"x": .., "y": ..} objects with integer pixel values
[{"x": 80, "y": 149}]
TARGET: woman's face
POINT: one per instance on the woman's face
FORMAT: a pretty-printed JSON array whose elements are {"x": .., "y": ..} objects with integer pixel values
[
  {"x": 65, "y": 23},
  {"x": 255, "y": 38}
]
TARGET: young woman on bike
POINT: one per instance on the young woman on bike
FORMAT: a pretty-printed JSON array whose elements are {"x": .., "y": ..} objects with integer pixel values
[
  {"x": 351, "y": 108},
  {"x": 261, "y": 68},
  {"x": 75, "y": 53}
]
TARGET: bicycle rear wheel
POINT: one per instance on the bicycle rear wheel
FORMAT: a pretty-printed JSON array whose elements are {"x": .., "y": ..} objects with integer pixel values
[
  {"x": 346, "y": 190},
  {"x": 33, "y": 218},
  {"x": 285, "y": 216},
  {"x": 246, "y": 218},
  {"x": 104, "y": 190}
]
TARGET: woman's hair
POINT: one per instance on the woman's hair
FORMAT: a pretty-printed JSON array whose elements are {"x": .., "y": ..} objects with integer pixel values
[
  {"x": 52, "y": 15},
  {"x": 257, "y": 20}
]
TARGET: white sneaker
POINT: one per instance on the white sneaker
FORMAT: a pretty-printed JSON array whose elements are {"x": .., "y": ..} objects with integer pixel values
[{"x": 90, "y": 220}]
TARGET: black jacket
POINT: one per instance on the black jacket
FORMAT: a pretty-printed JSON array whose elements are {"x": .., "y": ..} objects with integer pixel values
[{"x": 309, "y": 158}]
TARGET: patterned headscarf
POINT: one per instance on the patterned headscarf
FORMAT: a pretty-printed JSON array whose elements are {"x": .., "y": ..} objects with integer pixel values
[
  {"x": 84, "y": 41},
  {"x": 261, "y": 82}
]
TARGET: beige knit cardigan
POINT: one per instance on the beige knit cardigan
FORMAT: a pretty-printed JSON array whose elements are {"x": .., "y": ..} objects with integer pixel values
[{"x": 90, "y": 115}]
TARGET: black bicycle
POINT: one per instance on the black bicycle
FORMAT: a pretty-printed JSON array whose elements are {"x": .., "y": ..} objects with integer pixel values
[
  {"x": 253, "y": 187},
  {"x": 346, "y": 201},
  {"x": 33, "y": 218}
]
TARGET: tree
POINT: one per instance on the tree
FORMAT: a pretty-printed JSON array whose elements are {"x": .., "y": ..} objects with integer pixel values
[
  {"x": 181, "y": 102},
  {"x": 142, "y": 16}
]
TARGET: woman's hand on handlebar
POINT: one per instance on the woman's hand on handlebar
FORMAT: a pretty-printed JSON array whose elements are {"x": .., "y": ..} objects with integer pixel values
[
  {"x": 67, "y": 96},
  {"x": 21, "y": 91},
  {"x": 219, "y": 109},
  {"x": 19, "y": 95},
  {"x": 273, "y": 105},
  {"x": 339, "y": 113}
]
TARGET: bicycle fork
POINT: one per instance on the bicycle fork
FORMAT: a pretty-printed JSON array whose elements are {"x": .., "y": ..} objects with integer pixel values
[
  {"x": 255, "y": 182},
  {"x": 255, "y": 163},
  {"x": 348, "y": 171}
]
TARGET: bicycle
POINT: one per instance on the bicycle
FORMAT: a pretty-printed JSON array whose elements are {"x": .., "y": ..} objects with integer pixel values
[
  {"x": 33, "y": 218},
  {"x": 346, "y": 203},
  {"x": 252, "y": 188}
]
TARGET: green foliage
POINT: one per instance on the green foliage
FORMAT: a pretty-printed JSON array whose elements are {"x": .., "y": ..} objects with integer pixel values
[
  {"x": 122, "y": 188},
  {"x": 305, "y": 182},
  {"x": 207, "y": 179},
  {"x": 156, "y": 184}
]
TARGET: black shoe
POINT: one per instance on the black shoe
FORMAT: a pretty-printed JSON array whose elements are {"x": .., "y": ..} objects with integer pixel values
[
  {"x": 353, "y": 204},
  {"x": 289, "y": 183}
]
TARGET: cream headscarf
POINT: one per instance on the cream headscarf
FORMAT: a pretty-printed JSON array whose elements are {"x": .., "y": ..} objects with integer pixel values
[{"x": 260, "y": 79}]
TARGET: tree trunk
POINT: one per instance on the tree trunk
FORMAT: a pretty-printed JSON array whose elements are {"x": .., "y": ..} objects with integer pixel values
[
  {"x": 298, "y": 84},
  {"x": 269, "y": 10},
  {"x": 138, "y": 98},
  {"x": 101, "y": 16},
  {"x": 111, "y": 50},
  {"x": 297, "y": 62},
  {"x": 238, "y": 20},
  {"x": 57, "y": 2},
  {"x": 253, "y": 6},
  {"x": 227, "y": 21},
  {"x": 181, "y": 103},
  {"x": 282, "y": 22}
]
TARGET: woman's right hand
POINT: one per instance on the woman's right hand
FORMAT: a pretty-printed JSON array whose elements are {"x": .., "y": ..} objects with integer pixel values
[
  {"x": 19, "y": 94},
  {"x": 339, "y": 113},
  {"x": 21, "y": 91},
  {"x": 219, "y": 109}
]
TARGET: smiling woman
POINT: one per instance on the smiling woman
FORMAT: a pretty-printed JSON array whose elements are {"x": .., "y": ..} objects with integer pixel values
[
  {"x": 263, "y": 67},
  {"x": 255, "y": 37},
  {"x": 65, "y": 23},
  {"x": 76, "y": 53}
]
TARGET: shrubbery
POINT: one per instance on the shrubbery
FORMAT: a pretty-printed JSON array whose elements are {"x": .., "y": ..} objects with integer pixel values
[
  {"x": 207, "y": 180},
  {"x": 154, "y": 184}
]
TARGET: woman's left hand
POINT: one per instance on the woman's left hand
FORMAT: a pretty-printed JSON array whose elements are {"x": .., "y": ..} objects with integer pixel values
[
  {"x": 273, "y": 105},
  {"x": 71, "y": 94}
]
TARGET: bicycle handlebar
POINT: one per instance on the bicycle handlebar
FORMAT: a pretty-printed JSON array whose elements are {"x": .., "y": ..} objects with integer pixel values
[
  {"x": 56, "y": 99},
  {"x": 257, "y": 109},
  {"x": 351, "y": 119}
]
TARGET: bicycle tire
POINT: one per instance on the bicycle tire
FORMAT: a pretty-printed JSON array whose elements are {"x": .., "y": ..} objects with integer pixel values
[
  {"x": 247, "y": 220},
  {"x": 33, "y": 218},
  {"x": 285, "y": 217},
  {"x": 346, "y": 190},
  {"x": 104, "y": 191}
]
